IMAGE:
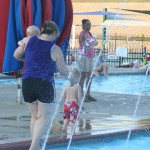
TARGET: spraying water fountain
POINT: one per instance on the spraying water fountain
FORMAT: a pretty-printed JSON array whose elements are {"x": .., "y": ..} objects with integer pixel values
[
  {"x": 137, "y": 104},
  {"x": 80, "y": 108},
  {"x": 100, "y": 53},
  {"x": 43, "y": 144}
]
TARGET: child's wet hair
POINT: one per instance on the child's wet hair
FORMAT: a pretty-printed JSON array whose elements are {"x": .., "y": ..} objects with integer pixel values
[{"x": 76, "y": 74}]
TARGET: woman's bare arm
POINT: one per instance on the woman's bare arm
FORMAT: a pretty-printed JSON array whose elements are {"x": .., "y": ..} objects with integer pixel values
[
  {"x": 19, "y": 53},
  {"x": 82, "y": 39},
  {"x": 58, "y": 57}
]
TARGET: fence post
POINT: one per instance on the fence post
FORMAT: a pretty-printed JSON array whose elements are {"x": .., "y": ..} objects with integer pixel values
[
  {"x": 144, "y": 51},
  {"x": 73, "y": 36},
  {"x": 104, "y": 27},
  {"x": 115, "y": 40},
  {"x": 143, "y": 48},
  {"x": 20, "y": 98}
]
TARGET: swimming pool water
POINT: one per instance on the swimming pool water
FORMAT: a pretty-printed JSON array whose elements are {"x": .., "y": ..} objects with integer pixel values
[
  {"x": 121, "y": 84},
  {"x": 130, "y": 84},
  {"x": 127, "y": 84},
  {"x": 8, "y": 81},
  {"x": 138, "y": 143}
]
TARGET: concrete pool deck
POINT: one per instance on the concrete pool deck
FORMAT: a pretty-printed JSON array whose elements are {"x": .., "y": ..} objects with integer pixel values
[{"x": 110, "y": 113}]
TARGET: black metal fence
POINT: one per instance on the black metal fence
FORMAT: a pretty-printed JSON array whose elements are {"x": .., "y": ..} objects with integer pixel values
[
  {"x": 138, "y": 47},
  {"x": 132, "y": 56}
]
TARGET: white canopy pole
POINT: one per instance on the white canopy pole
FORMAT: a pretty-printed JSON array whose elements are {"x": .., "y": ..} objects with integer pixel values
[
  {"x": 20, "y": 97},
  {"x": 73, "y": 36}
]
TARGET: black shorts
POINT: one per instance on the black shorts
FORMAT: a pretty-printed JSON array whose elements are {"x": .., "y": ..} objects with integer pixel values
[{"x": 37, "y": 89}]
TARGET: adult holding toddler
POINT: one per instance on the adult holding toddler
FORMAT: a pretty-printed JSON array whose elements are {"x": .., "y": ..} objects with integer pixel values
[{"x": 40, "y": 56}]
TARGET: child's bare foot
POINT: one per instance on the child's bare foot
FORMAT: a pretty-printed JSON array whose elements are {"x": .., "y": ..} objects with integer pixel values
[{"x": 64, "y": 134}]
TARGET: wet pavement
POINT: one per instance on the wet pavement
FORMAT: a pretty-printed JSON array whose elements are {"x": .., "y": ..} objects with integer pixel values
[{"x": 110, "y": 113}]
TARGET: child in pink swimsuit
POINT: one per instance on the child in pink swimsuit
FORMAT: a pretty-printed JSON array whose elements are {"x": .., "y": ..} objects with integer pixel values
[{"x": 72, "y": 95}]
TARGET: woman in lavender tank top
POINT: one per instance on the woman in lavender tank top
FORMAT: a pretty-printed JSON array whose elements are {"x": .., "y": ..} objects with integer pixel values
[{"x": 40, "y": 56}]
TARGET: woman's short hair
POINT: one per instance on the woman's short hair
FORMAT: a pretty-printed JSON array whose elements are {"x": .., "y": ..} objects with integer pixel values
[
  {"x": 49, "y": 27},
  {"x": 84, "y": 21}
]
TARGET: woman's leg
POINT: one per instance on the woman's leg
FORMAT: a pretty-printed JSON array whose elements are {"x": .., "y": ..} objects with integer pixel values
[
  {"x": 83, "y": 76},
  {"x": 88, "y": 81},
  {"x": 33, "y": 107},
  {"x": 42, "y": 125},
  {"x": 88, "y": 74},
  {"x": 105, "y": 69},
  {"x": 97, "y": 70}
]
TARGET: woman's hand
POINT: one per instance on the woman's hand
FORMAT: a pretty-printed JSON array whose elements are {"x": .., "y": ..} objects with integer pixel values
[
  {"x": 58, "y": 57},
  {"x": 87, "y": 47}
]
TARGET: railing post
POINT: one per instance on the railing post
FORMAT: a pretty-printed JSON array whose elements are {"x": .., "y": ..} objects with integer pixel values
[
  {"x": 143, "y": 47},
  {"x": 115, "y": 41},
  {"x": 104, "y": 27},
  {"x": 20, "y": 97},
  {"x": 144, "y": 52},
  {"x": 73, "y": 36}
]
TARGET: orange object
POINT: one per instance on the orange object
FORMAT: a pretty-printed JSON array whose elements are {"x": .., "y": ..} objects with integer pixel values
[
  {"x": 72, "y": 58},
  {"x": 147, "y": 59}
]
